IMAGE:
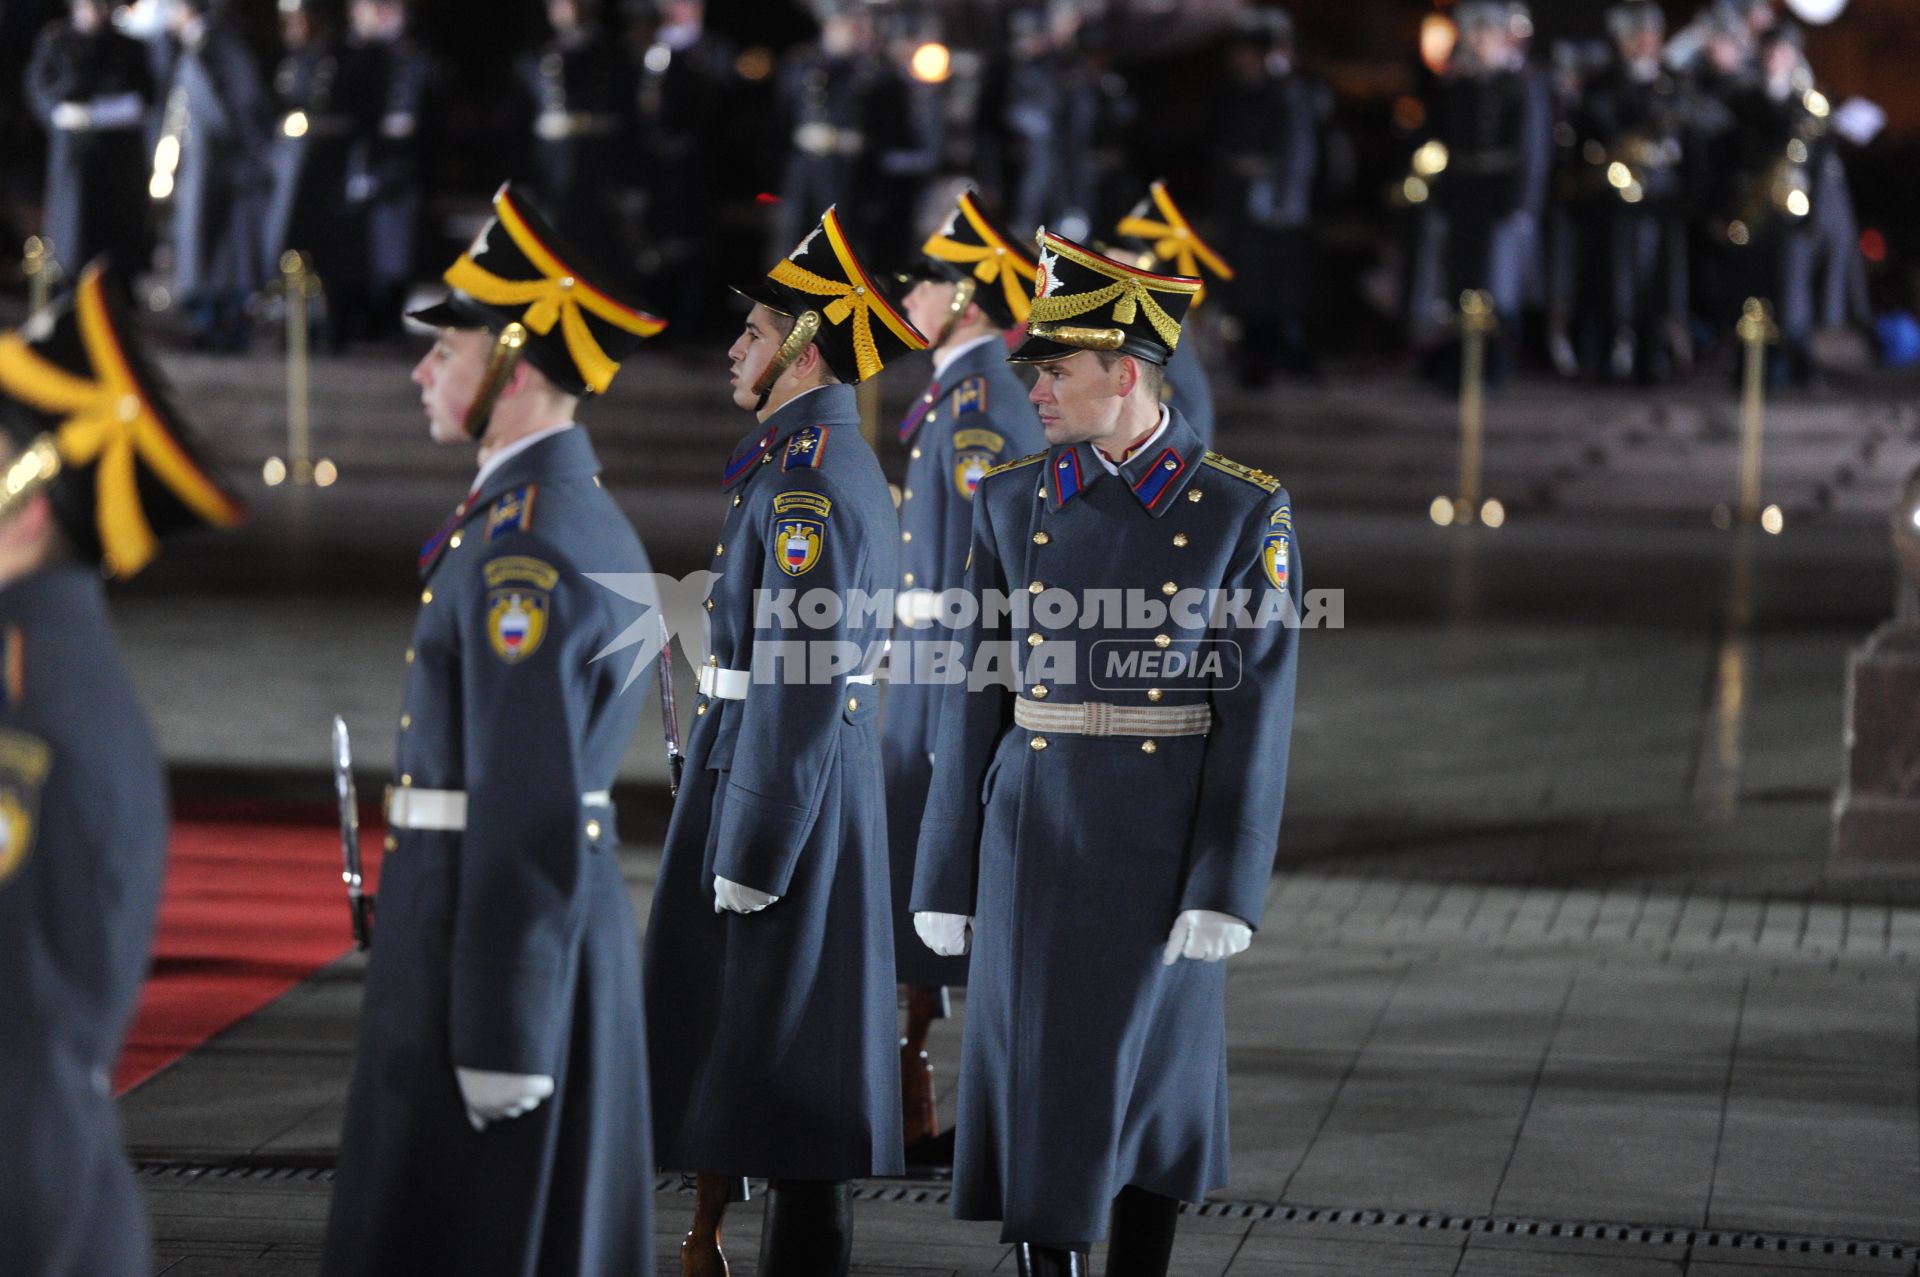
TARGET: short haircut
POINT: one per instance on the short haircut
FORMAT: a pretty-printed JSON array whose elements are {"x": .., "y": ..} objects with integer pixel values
[{"x": 1152, "y": 375}]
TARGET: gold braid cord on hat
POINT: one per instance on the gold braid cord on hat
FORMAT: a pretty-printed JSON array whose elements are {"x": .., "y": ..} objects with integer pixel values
[
  {"x": 109, "y": 421},
  {"x": 1173, "y": 240},
  {"x": 860, "y": 301},
  {"x": 558, "y": 296},
  {"x": 1131, "y": 295},
  {"x": 992, "y": 262}
]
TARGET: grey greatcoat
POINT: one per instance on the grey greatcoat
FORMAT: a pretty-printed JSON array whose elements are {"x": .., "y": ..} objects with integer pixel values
[
  {"x": 96, "y": 171},
  {"x": 83, "y": 848},
  {"x": 219, "y": 110},
  {"x": 508, "y": 945},
  {"x": 774, "y": 1034},
  {"x": 1086, "y": 1065}
]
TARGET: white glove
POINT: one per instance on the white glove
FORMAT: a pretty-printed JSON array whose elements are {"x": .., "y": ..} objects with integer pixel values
[
  {"x": 495, "y": 1097},
  {"x": 1206, "y": 936},
  {"x": 72, "y": 115},
  {"x": 944, "y": 933},
  {"x": 730, "y": 896}
]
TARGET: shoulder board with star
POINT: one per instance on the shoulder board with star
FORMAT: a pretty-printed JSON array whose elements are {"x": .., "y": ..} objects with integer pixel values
[
  {"x": 1258, "y": 478},
  {"x": 969, "y": 396},
  {"x": 1015, "y": 464},
  {"x": 511, "y": 513},
  {"x": 805, "y": 448}
]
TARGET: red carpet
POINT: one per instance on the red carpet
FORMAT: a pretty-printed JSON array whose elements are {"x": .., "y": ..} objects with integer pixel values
[{"x": 253, "y": 905}]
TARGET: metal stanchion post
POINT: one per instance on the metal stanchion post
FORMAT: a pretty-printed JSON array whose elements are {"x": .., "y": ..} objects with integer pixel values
[
  {"x": 298, "y": 286},
  {"x": 42, "y": 272},
  {"x": 1477, "y": 323},
  {"x": 1756, "y": 329}
]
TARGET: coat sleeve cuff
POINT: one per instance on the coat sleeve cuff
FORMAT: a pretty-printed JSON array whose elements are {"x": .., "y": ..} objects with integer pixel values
[
  {"x": 508, "y": 1018},
  {"x": 1231, "y": 878},
  {"x": 759, "y": 841}
]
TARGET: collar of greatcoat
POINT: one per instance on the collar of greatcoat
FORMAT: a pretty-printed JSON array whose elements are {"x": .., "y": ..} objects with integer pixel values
[{"x": 1155, "y": 474}]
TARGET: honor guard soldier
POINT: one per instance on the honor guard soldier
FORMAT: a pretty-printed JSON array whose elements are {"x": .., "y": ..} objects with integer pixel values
[
  {"x": 770, "y": 984},
  {"x": 394, "y": 177},
  {"x": 1160, "y": 238},
  {"x": 217, "y": 127},
  {"x": 1104, "y": 834},
  {"x": 91, "y": 89},
  {"x": 328, "y": 99},
  {"x": 583, "y": 93},
  {"x": 1494, "y": 119},
  {"x": 688, "y": 87},
  {"x": 976, "y": 283},
  {"x": 96, "y": 469},
  {"x": 1268, "y": 164},
  {"x": 1634, "y": 114},
  {"x": 497, "y": 1118},
  {"x": 843, "y": 107}
]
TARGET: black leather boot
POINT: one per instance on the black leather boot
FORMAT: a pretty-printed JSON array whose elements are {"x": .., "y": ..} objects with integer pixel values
[
  {"x": 1141, "y": 1242},
  {"x": 1048, "y": 1261},
  {"x": 809, "y": 1228}
]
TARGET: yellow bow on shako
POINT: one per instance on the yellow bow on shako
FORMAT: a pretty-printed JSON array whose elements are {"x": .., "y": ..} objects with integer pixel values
[
  {"x": 992, "y": 261},
  {"x": 1173, "y": 239},
  {"x": 557, "y": 296},
  {"x": 859, "y": 301},
  {"x": 108, "y": 422}
]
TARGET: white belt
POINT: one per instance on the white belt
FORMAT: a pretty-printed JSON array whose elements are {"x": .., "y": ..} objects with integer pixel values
[
  {"x": 731, "y": 685},
  {"x": 446, "y": 809},
  {"x": 916, "y": 605}
]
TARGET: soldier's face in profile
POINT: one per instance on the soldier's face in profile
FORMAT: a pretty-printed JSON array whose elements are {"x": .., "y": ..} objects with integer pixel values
[
  {"x": 1078, "y": 400},
  {"x": 752, "y": 351},
  {"x": 449, "y": 377},
  {"x": 927, "y": 303}
]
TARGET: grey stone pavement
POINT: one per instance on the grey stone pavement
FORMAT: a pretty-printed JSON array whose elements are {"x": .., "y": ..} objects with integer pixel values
[{"x": 1558, "y": 975}]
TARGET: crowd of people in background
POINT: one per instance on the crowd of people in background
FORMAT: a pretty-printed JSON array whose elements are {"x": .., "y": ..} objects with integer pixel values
[
  {"x": 1618, "y": 200},
  {"x": 1636, "y": 194}
]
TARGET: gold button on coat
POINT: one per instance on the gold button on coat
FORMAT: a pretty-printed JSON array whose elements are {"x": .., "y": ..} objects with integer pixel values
[
  {"x": 1038, "y": 742},
  {"x": 1035, "y": 640},
  {"x": 1035, "y": 588},
  {"x": 1041, "y": 538},
  {"x": 853, "y": 703},
  {"x": 1169, "y": 589},
  {"x": 1161, "y": 640},
  {"x": 1180, "y": 540},
  {"x": 1148, "y": 747},
  {"x": 1193, "y": 494},
  {"x": 593, "y": 831},
  {"x": 1040, "y": 693},
  {"x": 1154, "y": 694}
]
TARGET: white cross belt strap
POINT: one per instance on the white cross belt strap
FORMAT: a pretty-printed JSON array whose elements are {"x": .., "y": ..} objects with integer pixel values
[
  {"x": 731, "y": 685},
  {"x": 445, "y": 810},
  {"x": 1100, "y": 718}
]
